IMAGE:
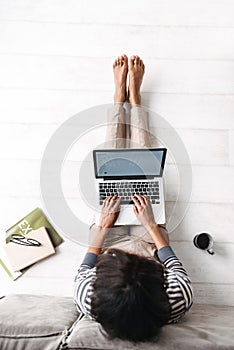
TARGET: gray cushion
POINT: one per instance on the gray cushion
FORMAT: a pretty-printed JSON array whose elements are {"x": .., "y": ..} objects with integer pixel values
[
  {"x": 37, "y": 322},
  {"x": 204, "y": 327}
]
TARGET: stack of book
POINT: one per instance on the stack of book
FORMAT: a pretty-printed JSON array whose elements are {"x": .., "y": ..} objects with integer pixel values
[{"x": 31, "y": 239}]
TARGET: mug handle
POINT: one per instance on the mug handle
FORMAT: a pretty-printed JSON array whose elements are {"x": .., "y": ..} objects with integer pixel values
[{"x": 211, "y": 251}]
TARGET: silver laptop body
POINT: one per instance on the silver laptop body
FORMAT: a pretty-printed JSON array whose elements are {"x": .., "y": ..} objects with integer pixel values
[{"x": 129, "y": 171}]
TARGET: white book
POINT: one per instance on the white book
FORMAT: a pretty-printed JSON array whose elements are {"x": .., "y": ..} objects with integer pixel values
[{"x": 25, "y": 250}]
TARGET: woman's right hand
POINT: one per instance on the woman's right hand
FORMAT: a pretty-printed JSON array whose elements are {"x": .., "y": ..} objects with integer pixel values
[
  {"x": 143, "y": 210},
  {"x": 110, "y": 211}
]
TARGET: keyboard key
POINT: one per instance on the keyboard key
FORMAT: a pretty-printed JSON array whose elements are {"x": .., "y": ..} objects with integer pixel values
[
  {"x": 123, "y": 202},
  {"x": 154, "y": 197}
]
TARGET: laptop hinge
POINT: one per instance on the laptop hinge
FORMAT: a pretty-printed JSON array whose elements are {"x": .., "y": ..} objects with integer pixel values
[{"x": 129, "y": 178}]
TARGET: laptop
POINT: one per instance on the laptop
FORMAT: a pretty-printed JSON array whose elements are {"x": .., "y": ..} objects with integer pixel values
[{"x": 126, "y": 172}]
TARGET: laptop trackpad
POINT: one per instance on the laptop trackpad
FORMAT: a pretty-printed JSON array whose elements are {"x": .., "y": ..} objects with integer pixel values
[{"x": 127, "y": 216}]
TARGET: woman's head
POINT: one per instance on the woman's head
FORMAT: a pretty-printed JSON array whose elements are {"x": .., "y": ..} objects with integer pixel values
[{"x": 129, "y": 298}]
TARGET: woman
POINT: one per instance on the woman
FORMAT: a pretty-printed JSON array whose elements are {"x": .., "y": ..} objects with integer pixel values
[{"x": 130, "y": 280}]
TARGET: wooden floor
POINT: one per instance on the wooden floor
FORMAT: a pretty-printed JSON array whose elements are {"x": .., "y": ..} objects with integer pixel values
[{"x": 56, "y": 60}]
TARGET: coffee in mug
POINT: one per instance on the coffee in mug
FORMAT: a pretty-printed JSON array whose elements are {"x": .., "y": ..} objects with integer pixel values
[{"x": 204, "y": 241}]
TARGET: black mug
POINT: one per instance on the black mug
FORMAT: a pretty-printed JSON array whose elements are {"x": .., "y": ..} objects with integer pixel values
[{"x": 204, "y": 241}]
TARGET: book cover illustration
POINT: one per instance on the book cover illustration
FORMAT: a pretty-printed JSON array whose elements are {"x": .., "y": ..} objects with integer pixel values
[{"x": 32, "y": 221}]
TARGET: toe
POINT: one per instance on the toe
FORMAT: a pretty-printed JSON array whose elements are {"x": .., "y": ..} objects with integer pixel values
[
  {"x": 131, "y": 63},
  {"x": 137, "y": 59},
  {"x": 115, "y": 63},
  {"x": 119, "y": 61},
  {"x": 125, "y": 59}
]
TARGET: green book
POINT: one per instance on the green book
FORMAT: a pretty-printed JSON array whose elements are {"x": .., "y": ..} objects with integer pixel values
[{"x": 32, "y": 221}]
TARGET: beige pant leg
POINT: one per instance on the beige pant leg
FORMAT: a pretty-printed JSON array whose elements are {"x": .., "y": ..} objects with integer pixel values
[
  {"x": 116, "y": 127},
  {"x": 139, "y": 129},
  {"x": 118, "y": 236},
  {"x": 141, "y": 138}
]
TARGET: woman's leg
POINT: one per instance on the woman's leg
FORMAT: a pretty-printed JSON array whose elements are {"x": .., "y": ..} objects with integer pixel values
[
  {"x": 116, "y": 138},
  {"x": 116, "y": 127},
  {"x": 140, "y": 138},
  {"x": 139, "y": 129},
  {"x": 116, "y": 116}
]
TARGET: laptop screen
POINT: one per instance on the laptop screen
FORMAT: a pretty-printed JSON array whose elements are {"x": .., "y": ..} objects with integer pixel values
[{"x": 129, "y": 163}]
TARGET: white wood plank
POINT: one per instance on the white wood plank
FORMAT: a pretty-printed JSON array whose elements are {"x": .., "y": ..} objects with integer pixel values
[
  {"x": 204, "y": 147},
  {"x": 169, "y": 12},
  {"x": 201, "y": 111},
  {"x": 24, "y": 140},
  {"x": 46, "y": 10},
  {"x": 37, "y": 285},
  {"x": 217, "y": 294},
  {"x": 96, "y": 40},
  {"x": 231, "y": 147},
  {"x": 206, "y": 179},
  {"x": 15, "y": 208},
  {"x": 209, "y": 184},
  {"x": 20, "y": 177},
  {"x": 180, "y": 110},
  {"x": 162, "y": 12},
  {"x": 201, "y": 217},
  {"x": 206, "y": 268},
  {"x": 29, "y": 141},
  {"x": 47, "y": 106},
  {"x": 74, "y": 73}
]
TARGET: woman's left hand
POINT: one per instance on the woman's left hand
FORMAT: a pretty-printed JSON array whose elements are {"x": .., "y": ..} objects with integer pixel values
[{"x": 110, "y": 211}]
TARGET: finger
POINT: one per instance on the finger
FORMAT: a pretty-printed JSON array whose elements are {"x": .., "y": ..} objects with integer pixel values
[
  {"x": 113, "y": 199},
  {"x": 136, "y": 202},
  {"x": 116, "y": 206},
  {"x": 146, "y": 199},
  {"x": 106, "y": 201},
  {"x": 140, "y": 198},
  {"x": 135, "y": 210}
]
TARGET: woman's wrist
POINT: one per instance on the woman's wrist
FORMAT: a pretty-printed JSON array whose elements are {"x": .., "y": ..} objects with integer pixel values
[
  {"x": 149, "y": 225},
  {"x": 96, "y": 239},
  {"x": 157, "y": 236},
  {"x": 102, "y": 229}
]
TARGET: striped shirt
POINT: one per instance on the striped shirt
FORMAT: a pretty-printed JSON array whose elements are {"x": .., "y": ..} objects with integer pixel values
[{"x": 178, "y": 285}]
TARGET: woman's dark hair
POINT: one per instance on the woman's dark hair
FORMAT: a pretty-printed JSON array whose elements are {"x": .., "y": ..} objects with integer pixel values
[{"x": 129, "y": 298}]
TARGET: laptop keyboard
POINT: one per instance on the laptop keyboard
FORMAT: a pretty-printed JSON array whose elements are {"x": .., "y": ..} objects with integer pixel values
[{"x": 126, "y": 190}]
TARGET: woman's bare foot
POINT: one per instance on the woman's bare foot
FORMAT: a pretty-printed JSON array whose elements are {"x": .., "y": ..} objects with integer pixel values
[
  {"x": 136, "y": 73},
  {"x": 120, "y": 68}
]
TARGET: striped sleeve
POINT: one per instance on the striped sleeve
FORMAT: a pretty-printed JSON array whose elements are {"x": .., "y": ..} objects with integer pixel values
[
  {"x": 83, "y": 285},
  {"x": 178, "y": 285}
]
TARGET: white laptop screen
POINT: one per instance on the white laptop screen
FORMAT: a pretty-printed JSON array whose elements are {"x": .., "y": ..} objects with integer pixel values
[{"x": 129, "y": 163}]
